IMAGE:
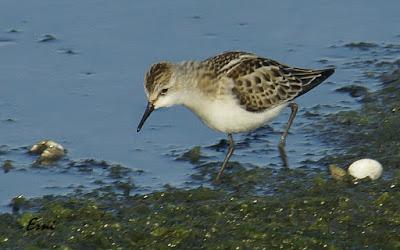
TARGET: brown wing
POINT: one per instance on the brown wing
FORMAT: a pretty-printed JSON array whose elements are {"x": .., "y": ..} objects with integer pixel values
[
  {"x": 261, "y": 83},
  {"x": 217, "y": 63}
]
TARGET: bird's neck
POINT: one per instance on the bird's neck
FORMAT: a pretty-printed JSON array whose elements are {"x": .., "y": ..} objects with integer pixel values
[
  {"x": 188, "y": 76},
  {"x": 185, "y": 72}
]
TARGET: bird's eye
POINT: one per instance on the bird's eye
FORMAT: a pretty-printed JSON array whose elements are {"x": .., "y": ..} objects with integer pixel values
[{"x": 164, "y": 91}]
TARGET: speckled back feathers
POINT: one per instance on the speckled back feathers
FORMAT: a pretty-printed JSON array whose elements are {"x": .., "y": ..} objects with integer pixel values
[{"x": 261, "y": 83}]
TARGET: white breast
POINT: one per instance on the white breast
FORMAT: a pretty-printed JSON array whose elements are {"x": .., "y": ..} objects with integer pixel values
[{"x": 227, "y": 116}]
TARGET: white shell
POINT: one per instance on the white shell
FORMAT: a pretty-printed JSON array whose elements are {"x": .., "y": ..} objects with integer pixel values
[{"x": 365, "y": 168}]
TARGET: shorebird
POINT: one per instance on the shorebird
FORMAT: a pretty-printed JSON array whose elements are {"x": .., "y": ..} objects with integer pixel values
[{"x": 231, "y": 92}]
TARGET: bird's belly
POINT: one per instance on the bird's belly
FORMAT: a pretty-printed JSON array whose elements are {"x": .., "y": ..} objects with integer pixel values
[{"x": 229, "y": 117}]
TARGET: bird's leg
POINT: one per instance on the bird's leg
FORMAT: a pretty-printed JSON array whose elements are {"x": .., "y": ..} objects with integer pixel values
[
  {"x": 231, "y": 148},
  {"x": 293, "y": 106}
]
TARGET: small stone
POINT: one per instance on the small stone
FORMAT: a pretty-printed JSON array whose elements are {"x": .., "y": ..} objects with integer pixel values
[
  {"x": 337, "y": 173},
  {"x": 49, "y": 151},
  {"x": 39, "y": 147}
]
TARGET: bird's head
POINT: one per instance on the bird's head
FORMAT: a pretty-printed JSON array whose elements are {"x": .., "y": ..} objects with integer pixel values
[{"x": 161, "y": 91}]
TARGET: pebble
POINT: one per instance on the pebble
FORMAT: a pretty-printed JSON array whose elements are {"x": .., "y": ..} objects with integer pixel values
[{"x": 49, "y": 151}]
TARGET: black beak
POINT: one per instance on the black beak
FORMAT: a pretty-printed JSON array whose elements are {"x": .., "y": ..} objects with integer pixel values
[{"x": 146, "y": 114}]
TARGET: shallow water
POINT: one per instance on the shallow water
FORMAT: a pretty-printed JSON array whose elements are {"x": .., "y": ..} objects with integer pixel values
[{"x": 84, "y": 89}]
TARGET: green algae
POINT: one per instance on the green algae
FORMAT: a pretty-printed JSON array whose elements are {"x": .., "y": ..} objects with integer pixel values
[
  {"x": 354, "y": 90},
  {"x": 318, "y": 213},
  {"x": 7, "y": 166},
  {"x": 47, "y": 38},
  {"x": 17, "y": 203},
  {"x": 118, "y": 171},
  {"x": 113, "y": 170},
  {"x": 361, "y": 45},
  {"x": 193, "y": 155}
]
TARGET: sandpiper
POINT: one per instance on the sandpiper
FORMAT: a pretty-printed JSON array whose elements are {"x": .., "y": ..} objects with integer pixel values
[{"x": 231, "y": 92}]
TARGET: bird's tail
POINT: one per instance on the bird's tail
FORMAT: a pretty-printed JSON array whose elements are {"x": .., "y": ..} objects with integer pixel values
[{"x": 311, "y": 78}]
